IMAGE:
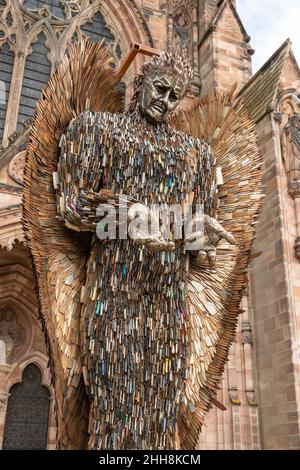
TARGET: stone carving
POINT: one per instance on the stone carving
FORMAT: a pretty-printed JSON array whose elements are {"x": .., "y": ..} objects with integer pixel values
[
  {"x": 234, "y": 396},
  {"x": 16, "y": 167},
  {"x": 251, "y": 397},
  {"x": 72, "y": 7},
  {"x": 291, "y": 157},
  {"x": 8, "y": 25},
  {"x": 247, "y": 333},
  {"x": 10, "y": 332},
  {"x": 291, "y": 153},
  {"x": 189, "y": 4},
  {"x": 289, "y": 105},
  {"x": 39, "y": 342},
  {"x": 297, "y": 247},
  {"x": 65, "y": 9},
  {"x": 181, "y": 34},
  {"x": 286, "y": 104},
  {"x": 3, "y": 395},
  {"x": 288, "y": 118}
]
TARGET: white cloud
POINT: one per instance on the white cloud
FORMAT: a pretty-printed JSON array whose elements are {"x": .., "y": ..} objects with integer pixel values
[{"x": 270, "y": 23}]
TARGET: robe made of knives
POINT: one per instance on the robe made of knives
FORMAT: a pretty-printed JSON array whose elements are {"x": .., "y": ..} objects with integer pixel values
[
  {"x": 98, "y": 146},
  {"x": 134, "y": 302}
]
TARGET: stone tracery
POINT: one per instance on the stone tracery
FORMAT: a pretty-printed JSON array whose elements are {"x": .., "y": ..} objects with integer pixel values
[
  {"x": 21, "y": 22},
  {"x": 11, "y": 333},
  {"x": 288, "y": 118}
]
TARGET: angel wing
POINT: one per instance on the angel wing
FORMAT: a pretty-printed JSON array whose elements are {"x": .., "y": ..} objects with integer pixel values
[
  {"x": 84, "y": 78},
  {"x": 215, "y": 295}
]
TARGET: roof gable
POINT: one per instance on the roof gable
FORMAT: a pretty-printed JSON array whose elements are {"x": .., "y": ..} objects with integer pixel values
[
  {"x": 227, "y": 7},
  {"x": 290, "y": 76},
  {"x": 260, "y": 92}
]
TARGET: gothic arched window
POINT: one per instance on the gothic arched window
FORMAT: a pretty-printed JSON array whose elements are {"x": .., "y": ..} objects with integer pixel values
[
  {"x": 26, "y": 425},
  {"x": 96, "y": 29},
  {"x": 55, "y": 6},
  {"x": 36, "y": 75}
]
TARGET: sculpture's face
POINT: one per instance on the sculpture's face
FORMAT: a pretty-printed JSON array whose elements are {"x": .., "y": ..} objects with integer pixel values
[{"x": 160, "y": 94}]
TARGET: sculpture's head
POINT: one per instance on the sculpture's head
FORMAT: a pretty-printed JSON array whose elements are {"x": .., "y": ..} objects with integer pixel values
[{"x": 160, "y": 86}]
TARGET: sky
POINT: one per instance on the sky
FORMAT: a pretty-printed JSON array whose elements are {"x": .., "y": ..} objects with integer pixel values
[{"x": 270, "y": 23}]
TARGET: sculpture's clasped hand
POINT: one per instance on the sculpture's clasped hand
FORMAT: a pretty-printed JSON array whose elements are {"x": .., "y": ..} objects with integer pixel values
[
  {"x": 206, "y": 239},
  {"x": 140, "y": 217}
]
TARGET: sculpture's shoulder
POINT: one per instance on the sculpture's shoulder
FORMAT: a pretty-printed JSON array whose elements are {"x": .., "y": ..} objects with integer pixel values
[
  {"x": 193, "y": 144},
  {"x": 198, "y": 151},
  {"x": 89, "y": 121}
]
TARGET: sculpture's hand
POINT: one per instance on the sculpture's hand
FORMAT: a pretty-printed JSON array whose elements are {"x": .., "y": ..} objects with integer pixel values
[
  {"x": 156, "y": 244},
  {"x": 206, "y": 241},
  {"x": 139, "y": 217}
]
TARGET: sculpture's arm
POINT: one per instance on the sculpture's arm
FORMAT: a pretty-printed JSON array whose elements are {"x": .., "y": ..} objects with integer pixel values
[
  {"x": 205, "y": 232},
  {"x": 82, "y": 171},
  {"x": 78, "y": 174},
  {"x": 205, "y": 181}
]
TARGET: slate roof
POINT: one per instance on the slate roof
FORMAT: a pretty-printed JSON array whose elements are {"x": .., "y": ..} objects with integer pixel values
[{"x": 260, "y": 92}]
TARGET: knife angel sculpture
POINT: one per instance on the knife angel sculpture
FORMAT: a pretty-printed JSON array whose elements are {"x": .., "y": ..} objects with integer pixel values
[{"x": 138, "y": 328}]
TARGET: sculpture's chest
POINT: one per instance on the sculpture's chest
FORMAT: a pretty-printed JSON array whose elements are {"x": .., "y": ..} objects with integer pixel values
[{"x": 152, "y": 167}]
